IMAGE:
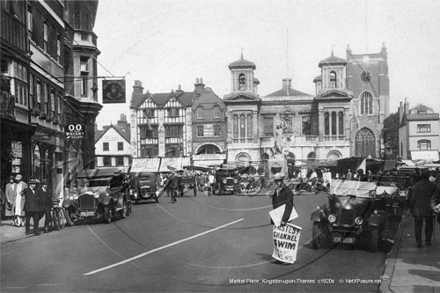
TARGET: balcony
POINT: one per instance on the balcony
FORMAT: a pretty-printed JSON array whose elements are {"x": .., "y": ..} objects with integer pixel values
[
  {"x": 242, "y": 140},
  {"x": 334, "y": 138}
]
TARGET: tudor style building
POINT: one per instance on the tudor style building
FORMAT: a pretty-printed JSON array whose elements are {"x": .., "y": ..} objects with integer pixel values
[{"x": 161, "y": 124}]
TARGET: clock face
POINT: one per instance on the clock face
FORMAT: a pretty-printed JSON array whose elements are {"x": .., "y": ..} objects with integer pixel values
[{"x": 366, "y": 75}]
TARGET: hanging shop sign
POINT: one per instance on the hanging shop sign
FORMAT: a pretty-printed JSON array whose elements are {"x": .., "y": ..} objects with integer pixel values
[
  {"x": 113, "y": 91},
  {"x": 75, "y": 131}
]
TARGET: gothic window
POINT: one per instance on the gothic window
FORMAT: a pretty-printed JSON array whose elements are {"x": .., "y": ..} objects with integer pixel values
[
  {"x": 334, "y": 124},
  {"x": 341, "y": 123},
  {"x": 327, "y": 123},
  {"x": 366, "y": 103},
  {"x": 424, "y": 145},
  {"x": 235, "y": 126},
  {"x": 333, "y": 79},
  {"x": 365, "y": 143}
]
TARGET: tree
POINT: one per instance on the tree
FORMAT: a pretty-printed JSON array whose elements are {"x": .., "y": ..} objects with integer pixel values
[{"x": 390, "y": 135}]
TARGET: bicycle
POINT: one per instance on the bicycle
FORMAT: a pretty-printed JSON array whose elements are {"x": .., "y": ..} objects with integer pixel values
[{"x": 58, "y": 217}]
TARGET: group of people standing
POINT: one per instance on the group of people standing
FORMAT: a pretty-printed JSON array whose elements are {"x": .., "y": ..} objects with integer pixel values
[{"x": 25, "y": 201}]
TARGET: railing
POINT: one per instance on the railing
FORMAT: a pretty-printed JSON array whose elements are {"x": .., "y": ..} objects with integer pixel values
[
  {"x": 334, "y": 137},
  {"x": 242, "y": 140}
]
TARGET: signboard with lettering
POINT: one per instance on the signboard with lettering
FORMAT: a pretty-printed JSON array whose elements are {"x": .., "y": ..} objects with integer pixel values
[
  {"x": 285, "y": 242},
  {"x": 75, "y": 131},
  {"x": 113, "y": 91}
]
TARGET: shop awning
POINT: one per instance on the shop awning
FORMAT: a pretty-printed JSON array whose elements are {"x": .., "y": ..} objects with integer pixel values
[
  {"x": 145, "y": 165},
  {"x": 168, "y": 164},
  {"x": 207, "y": 163},
  {"x": 427, "y": 156}
]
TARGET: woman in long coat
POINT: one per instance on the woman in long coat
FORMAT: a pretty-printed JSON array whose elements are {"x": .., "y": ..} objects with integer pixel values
[
  {"x": 19, "y": 186},
  {"x": 10, "y": 199}
]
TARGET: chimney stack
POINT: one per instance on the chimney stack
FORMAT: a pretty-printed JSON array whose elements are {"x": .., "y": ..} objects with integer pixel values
[
  {"x": 199, "y": 87},
  {"x": 287, "y": 83},
  {"x": 137, "y": 88}
]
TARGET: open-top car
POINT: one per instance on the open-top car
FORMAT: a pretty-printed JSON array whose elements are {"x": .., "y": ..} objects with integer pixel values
[
  {"x": 226, "y": 180},
  {"x": 356, "y": 214},
  {"x": 101, "y": 194}
]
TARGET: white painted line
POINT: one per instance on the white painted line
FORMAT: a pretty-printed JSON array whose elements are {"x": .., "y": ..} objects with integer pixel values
[{"x": 159, "y": 248}]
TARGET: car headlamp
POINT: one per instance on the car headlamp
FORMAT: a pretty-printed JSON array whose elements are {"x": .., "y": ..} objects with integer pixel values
[
  {"x": 75, "y": 196},
  {"x": 224, "y": 181},
  {"x": 331, "y": 218},
  {"x": 235, "y": 181},
  {"x": 96, "y": 195},
  {"x": 358, "y": 220}
]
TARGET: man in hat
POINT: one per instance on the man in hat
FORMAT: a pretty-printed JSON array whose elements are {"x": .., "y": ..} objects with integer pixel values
[
  {"x": 282, "y": 195},
  {"x": 173, "y": 184},
  {"x": 45, "y": 200},
  {"x": 361, "y": 176},
  {"x": 420, "y": 207},
  {"x": 32, "y": 206}
]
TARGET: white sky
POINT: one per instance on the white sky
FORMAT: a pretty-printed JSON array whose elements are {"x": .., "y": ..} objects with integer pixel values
[{"x": 169, "y": 43}]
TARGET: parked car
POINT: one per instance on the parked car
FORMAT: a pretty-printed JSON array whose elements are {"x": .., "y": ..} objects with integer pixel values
[
  {"x": 226, "y": 180},
  {"x": 101, "y": 194},
  {"x": 144, "y": 186},
  {"x": 356, "y": 214}
]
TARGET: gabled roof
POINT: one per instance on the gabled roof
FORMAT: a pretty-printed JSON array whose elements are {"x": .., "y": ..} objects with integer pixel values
[
  {"x": 161, "y": 99},
  {"x": 123, "y": 134},
  {"x": 287, "y": 93},
  {"x": 238, "y": 97},
  {"x": 421, "y": 107},
  {"x": 336, "y": 93}
]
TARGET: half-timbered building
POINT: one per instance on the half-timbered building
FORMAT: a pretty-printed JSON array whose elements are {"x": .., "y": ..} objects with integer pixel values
[{"x": 160, "y": 123}]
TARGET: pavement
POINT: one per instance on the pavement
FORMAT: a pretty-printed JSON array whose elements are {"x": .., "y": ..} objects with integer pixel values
[
  {"x": 408, "y": 268},
  {"x": 412, "y": 269}
]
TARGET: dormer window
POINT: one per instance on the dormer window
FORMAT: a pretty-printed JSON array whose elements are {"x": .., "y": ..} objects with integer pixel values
[{"x": 333, "y": 81}]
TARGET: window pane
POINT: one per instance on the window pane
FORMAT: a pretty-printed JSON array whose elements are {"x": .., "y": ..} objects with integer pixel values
[
  {"x": 327, "y": 123},
  {"x": 306, "y": 125},
  {"x": 334, "y": 125},
  {"x": 242, "y": 126},
  {"x": 268, "y": 126},
  {"x": 341, "y": 123},
  {"x": 235, "y": 126}
]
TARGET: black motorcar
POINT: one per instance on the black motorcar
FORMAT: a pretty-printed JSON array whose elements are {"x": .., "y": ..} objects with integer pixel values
[
  {"x": 226, "y": 180},
  {"x": 101, "y": 194},
  {"x": 144, "y": 186},
  {"x": 355, "y": 214}
]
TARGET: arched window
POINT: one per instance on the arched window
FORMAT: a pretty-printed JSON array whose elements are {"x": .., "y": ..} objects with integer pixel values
[
  {"x": 424, "y": 145},
  {"x": 333, "y": 79},
  {"x": 242, "y": 126},
  {"x": 366, "y": 103},
  {"x": 199, "y": 113},
  {"x": 311, "y": 157},
  {"x": 249, "y": 126},
  {"x": 235, "y": 126},
  {"x": 327, "y": 123},
  {"x": 341, "y": 123},
  {"x": 334, "y": 124},
  {"x": 241, "y": 82},
  {"x": 216, "y": 112}
]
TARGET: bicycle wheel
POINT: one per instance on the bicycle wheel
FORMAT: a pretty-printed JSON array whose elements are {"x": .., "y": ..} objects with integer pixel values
[
  {"x": 56, "y": 219},
  {"x": 62, "y": 218}
]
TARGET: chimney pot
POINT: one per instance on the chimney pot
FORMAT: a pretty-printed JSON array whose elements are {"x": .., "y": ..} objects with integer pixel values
[{"x": 197, "y": 80}]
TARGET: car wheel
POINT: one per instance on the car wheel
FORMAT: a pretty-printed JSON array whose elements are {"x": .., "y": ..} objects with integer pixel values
[
  {"x": 374, "y": 238},
  {"x": 316, "y": 236},
  {"x": 68, "y": 217},
  {"x": 195, "y": 190},
  {"x": 157, "y": 199}
]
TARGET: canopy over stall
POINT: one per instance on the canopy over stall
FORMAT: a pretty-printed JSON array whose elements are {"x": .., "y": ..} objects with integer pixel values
[{"x": 145, "y": 165}]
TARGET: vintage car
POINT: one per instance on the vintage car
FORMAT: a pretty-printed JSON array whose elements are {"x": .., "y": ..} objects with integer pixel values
[
  {"x": 356, "y": 214},
  {"x": 144, "y": 186},
  {"x": 101, "y": 194},
  {"x": 226, "y": 180}
]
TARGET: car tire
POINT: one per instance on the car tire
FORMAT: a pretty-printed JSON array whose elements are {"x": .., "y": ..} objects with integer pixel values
[
  {"x": 316, "y": 236},
  {"x": 123, "y": 211},
  {"x": 374, "y": 238},
  {"x": 157, "y": 199},
  {"x": 195, "y": 190}
]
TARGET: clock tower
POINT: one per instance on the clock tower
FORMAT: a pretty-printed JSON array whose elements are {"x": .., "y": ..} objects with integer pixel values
[{"x": 367, "y": 78}]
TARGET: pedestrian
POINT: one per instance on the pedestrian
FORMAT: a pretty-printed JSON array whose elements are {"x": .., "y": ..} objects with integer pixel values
[
  {"x": 282, "y": 195},
  {"x": 45, "y": 201},
  {"x": 349, "y": 175},
  {"x": 172, "y": 185},
  {"x": 437, "y": 177},
  {"x": 19, "y": 201},
  {"x": 32, "y": 206},
  {"x": 10, "y": 200},
  {"x": 420, "y": 207},
  {"x": 370, "y": 176},
  {"x": 361, "y": 176},
  {"x": 327, "y": 178}
]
